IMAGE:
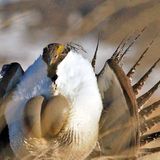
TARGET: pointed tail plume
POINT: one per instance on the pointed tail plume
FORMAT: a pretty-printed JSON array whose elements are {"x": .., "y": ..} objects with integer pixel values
[
  {"x": 147, "y": 111},
  {"x": 138, "y": 86},
  {"x": 132, "y": 70},
  {"x": 130, "y": 45},
  {"x": 148, "y": 151},
  {"x": 148, "y": 124},
  {"x": 95, "y": 55},
  {"x": 119, "y": 53},
  {"x": 145, "y": 97},
  {"x": 120, "y": 46},
  {"x": 148, "y": 138}
]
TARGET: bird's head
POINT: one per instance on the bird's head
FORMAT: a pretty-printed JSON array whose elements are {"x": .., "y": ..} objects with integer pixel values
[{"x": 53, "y": 54}]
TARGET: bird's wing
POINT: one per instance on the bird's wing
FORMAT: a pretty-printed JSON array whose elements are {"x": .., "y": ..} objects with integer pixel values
[{"x": 11, "y": 74}]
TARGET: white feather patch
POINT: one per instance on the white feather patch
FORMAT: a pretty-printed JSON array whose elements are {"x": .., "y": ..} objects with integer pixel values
[{"x": 76, "y": 80}]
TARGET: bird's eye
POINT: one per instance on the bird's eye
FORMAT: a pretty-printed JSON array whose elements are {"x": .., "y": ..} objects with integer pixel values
[{"x": 55, "y": 56}]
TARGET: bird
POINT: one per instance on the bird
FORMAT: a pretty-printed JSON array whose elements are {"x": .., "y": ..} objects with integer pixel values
[
  {"x": 115, "y": 129},
  {"x": 46, "y": 113}
]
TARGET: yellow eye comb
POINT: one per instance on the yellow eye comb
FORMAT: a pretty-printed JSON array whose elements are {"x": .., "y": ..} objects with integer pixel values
[{"x": 60, "y": 49}]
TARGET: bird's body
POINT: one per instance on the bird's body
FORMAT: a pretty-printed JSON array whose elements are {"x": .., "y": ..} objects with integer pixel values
[{"x": 77, "y": 83}]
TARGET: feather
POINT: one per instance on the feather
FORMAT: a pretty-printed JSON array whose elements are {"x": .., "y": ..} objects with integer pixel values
[
  {"x": 116, "y": 52},
  {"x": 145, "y": 97},
  {"x": 148, "y": 151},
  {"x": 147, "y": 111},
  {"x": 142, "y": 81},
  {"x": 11, "y": 75},
  {"x": 148, "y": 124},
  {"x": 131, "y": 44},
  {"x": 145, "y": 139},
  {"x": 132, "y": 70},
  {"x": 95, "y": 55}
]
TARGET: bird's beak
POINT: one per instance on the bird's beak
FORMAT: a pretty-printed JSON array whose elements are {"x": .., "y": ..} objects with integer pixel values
[{"x": 59, "y": 53}]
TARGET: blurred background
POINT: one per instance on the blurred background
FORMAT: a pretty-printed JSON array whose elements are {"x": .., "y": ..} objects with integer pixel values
[{"x": 27, "y": 26}]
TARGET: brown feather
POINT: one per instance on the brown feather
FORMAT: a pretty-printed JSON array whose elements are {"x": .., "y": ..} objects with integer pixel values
[
  {"x": 147, "y": 111},
  {"x": 148, "y": 124},
  {"x": 142, "y": 81},
  {"x": 145, "y": 97},
  {"x": 148, "y": 138},
  {"x": 132, "y": 70}
]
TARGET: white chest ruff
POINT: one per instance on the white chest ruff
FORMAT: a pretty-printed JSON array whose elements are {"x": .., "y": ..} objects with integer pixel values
[{"x": 77, "y": 82}]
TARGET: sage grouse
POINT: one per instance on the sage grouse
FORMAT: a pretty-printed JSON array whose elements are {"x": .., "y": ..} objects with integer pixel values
[{"x": 60, "y": 109}]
